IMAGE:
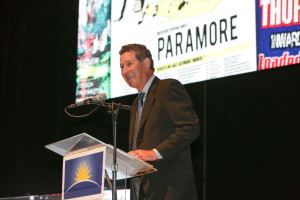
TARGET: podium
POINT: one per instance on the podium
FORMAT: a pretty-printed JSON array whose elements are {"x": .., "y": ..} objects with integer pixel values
[{"x": 84, "y": 160}]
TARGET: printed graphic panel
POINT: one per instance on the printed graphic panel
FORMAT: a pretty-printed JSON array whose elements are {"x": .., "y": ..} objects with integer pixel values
[
  {"x": 191, "y": 40},
  {"x": 93, "y": 49},
  {"x": 83, "y": 176},
  {"x": 278, "y": 35}
]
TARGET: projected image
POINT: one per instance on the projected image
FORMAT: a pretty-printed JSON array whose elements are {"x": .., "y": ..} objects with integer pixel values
[
  {"x": 191, "y": 40},
  {"x": 94, "y": 38},
  {"x": 278, "y": 33}
]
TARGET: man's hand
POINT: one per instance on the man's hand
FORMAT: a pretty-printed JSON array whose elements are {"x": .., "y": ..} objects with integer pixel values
[{"x": 144, "y": 155}]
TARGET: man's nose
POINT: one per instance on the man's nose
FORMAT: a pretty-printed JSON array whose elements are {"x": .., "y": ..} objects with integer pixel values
[{"x": 125, "y": 69}]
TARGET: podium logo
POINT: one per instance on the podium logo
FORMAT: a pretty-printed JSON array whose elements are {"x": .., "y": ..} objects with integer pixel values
[
  {"x": 83, "y": 176},
  {"x": 83, "y": 172}
]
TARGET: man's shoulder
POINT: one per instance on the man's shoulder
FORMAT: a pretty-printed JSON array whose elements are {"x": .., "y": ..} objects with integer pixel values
[
  {"x": 170, "y": 82},
  {"x": 166, "y": 85}
]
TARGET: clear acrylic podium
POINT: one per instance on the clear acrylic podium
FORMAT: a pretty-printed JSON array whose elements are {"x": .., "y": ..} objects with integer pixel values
[{"x": 127, "y": 165}]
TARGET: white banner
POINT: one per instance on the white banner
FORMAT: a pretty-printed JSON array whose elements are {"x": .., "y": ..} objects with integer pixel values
[{"x": 191, "y": 41}]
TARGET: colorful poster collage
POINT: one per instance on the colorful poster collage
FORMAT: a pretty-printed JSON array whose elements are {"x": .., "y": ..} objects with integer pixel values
[{"x": 93, "y": 48}]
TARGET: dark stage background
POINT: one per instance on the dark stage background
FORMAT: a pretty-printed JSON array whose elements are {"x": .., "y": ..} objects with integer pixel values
[{"x": 249, "y": 145}]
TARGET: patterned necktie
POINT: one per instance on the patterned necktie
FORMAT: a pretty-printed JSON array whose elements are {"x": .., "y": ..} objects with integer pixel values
[{"x": 137, "y": 120}]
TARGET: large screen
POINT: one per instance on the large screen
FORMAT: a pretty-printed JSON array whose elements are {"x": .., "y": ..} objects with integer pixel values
[{"x": 190, "y": 40}]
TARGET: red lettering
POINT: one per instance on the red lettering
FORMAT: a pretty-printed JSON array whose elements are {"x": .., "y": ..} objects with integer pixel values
[
  {"x": 291, "y": 60},
  {"x": 284, "y": 60},
  {"x": 261, "y": 60},
  {"x": 275, "y": 62},
  {"x": 277, "y": 13}
]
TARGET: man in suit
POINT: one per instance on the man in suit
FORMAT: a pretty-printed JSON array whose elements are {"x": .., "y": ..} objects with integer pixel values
[{"x": 164, "y": 131}]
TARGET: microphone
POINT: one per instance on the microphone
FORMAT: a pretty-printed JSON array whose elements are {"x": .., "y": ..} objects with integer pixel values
[{"x": 95, "y": 99}]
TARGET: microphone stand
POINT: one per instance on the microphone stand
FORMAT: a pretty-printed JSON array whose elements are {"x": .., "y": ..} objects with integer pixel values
[
  {"x": 114, "y": 111},
  {"x": 114, "y": 114}
]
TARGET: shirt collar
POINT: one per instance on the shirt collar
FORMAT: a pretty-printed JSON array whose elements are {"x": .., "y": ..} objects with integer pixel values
[
  {"x": 146, "y": 87},
  {"x": 148, "y": 84}
]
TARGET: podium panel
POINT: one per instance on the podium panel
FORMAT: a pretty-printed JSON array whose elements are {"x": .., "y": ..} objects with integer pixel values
[{"x": 83, "y": 175}]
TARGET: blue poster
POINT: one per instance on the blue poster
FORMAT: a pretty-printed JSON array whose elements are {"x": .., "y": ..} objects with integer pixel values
[
  {"x": 83, "y": 176},
  {"x": 278, "y": 33}
]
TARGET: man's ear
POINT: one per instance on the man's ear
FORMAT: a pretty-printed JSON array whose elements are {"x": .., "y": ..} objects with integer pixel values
[{"x": 147, "y": 63}]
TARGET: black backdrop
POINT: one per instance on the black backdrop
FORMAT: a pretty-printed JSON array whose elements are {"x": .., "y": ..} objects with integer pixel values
[{"x": 249, "y": 145}]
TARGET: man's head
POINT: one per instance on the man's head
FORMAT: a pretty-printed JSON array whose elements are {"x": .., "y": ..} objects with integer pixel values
[{"x": 136, "y": 65}]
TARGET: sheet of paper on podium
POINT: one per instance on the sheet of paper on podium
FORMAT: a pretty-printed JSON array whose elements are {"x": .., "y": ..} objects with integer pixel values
[{"x": 128, "y": 166}]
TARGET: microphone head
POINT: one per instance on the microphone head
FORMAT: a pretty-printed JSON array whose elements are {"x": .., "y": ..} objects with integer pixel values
[{"x": 101, "y": 97}]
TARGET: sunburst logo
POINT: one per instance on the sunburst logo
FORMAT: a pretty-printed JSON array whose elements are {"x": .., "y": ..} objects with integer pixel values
[
  {"x": 83, "y": 172},
  {"x": 83, "y": 176}
]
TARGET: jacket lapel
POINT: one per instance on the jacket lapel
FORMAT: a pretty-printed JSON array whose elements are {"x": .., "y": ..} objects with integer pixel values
[
  {"x": 146, "y": 110},
  {"x": 132, "y": 120},
  {"x": 149, "y": 102}
]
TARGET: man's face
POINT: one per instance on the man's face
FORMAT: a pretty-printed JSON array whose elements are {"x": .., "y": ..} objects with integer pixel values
[{"x": 133, "y": 72}]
